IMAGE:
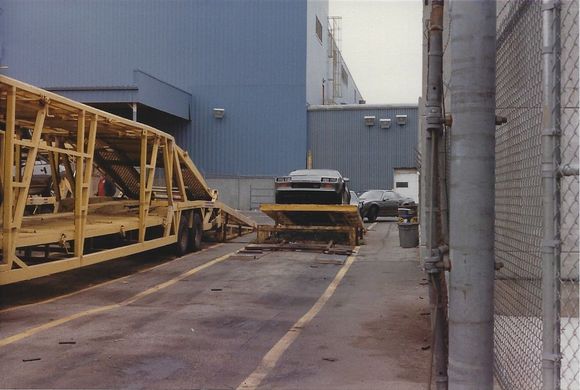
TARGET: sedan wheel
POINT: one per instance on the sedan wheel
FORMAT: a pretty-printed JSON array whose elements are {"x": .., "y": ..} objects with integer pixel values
[{"x": 373, "y": 214}]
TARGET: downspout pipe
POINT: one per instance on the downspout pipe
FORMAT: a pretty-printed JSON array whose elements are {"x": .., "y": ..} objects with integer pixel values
[
  {"x": 434, "y": 130},
  {"x": 472, "y": 194}
]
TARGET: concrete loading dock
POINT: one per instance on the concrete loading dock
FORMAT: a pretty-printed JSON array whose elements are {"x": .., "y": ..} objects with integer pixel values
[{"x": 207, "y": 320}]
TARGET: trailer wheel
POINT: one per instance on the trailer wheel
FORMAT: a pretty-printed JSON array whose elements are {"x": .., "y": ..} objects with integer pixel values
[
  {"x": 182, "y": 244},
  {"x": 196, "y": 233}
]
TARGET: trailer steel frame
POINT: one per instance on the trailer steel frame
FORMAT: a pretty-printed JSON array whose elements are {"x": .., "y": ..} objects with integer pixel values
[
  {"x": 312, "y": 219},
  {"x": 34, "y": 124}
]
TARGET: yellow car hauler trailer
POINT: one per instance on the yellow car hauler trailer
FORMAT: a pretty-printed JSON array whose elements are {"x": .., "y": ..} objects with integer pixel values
[{"x": 164, "y": 198}]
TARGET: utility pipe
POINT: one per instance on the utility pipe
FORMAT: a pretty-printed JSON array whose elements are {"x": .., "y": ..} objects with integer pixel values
[
  {"x": 434, "y": 129},
  {"x": 550, "y": 197}
]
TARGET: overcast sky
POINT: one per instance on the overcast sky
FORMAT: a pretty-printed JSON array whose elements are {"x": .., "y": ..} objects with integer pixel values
[{"x": 381, "y": 44}]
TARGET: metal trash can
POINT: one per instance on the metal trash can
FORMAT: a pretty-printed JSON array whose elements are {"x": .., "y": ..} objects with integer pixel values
[
  {"x": 409, "y": 235},
  {"x": 407, "y": 213}
]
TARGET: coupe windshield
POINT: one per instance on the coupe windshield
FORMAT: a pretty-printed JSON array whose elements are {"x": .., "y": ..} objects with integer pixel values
[{"x": 372, "y": 195}]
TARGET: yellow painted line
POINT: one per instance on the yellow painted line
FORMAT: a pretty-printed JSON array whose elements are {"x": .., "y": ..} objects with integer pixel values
[
  {"x": 128, "y": 301},
  {"x": 271, "y": 358},
  {"x": 100, "y": 284},
  {"x": 372, "y": 226}
]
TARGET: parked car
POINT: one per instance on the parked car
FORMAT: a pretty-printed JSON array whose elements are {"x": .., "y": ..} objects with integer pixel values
[
  {"x": 382, "y": 203},
  {"x": 312, "y": 186},
  {"x": 355, "y": 201}
]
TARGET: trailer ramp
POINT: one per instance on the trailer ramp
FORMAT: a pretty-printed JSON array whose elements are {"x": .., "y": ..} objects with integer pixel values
[{"x": 337, "y": 223}]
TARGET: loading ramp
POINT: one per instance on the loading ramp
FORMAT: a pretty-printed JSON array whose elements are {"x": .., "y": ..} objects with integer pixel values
[
  {"x": 164, "y": 198},
  {"x": 337, "y": 223}
]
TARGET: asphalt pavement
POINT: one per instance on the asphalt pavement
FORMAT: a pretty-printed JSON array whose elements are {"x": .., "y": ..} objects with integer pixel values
[{"x": 218, "y": 320}]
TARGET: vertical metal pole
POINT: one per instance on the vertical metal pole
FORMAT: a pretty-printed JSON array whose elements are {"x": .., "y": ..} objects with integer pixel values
[
  {"x": 550, "y": 160},
  {"x": 134, "y": 110},
  {"x": 472, "y": 163},
  {"x": 434, "y": 128}
]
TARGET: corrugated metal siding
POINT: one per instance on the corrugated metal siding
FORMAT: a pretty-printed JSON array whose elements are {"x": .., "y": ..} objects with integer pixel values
[
  {"x": 247, "y": 56},
  {"x": 339, "y": 139}
]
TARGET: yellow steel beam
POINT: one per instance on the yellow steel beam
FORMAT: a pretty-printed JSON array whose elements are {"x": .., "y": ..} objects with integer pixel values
[
  {"x": 168, "y": 166},
  {"x": 149, "y": 175},
  {"x": 50, "y": 268},
  {"x": 79, "y": 211},
  {"x": 28, "y": 168},
  {"x": 8, "y": 230}
]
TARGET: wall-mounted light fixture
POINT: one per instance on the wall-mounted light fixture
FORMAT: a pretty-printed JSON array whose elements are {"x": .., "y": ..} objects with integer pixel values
[
  {"x": 385, "y": 123},
  {"x": 370, "y": 120},
  {"x": 401, "y": 120},
  {"x": 219, "y": 113}
]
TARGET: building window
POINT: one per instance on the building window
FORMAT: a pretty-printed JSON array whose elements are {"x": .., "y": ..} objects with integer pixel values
[
  {"x": 318, "y": 29},
  {"x": 402, "y": 184},
  {"x": 344, "y": 76}
]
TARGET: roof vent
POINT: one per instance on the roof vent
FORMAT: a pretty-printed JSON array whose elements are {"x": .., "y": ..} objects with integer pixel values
[
  {"x": 385, "y": 123},
  {"x": 401, "y": 120},
  {"x": 219, "y": 113},
  {"x": 370, "y": 120}
]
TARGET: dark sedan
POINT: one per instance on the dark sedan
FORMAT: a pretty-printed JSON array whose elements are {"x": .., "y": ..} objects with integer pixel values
[
  {"x": 312, "y": 186},
  {"x": 382, "y": 203}
]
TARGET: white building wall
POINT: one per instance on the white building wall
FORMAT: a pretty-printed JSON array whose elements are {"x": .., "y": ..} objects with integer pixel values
[
  {"x": 319, "y": 65},
  {"x": 409, "y": 176},
  {"x": 349, "y": 91},
  {"x": 316, "y": 52}
]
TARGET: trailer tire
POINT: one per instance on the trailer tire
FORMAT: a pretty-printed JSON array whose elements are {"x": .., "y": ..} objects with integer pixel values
[
  {"x": 182, "y": 244},
  {"x": 196, "y": 233}
]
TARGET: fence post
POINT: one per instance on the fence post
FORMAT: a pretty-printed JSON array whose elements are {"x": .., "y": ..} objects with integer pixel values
[
  {"x": 472, "y": 182},
  {"x": 550, "y": 196}
]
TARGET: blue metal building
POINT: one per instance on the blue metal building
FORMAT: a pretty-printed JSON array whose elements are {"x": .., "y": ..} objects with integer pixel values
[
  {"x": 175, "y": 62},
  {"x": 366, "y": 143}
]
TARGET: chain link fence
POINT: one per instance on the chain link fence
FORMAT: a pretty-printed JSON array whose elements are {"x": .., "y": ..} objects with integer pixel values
[{"x": 519, "y": 203}]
